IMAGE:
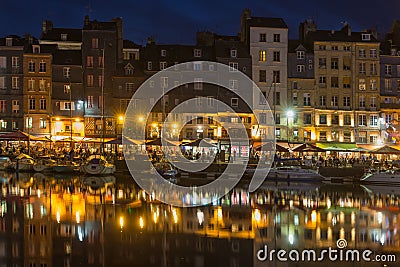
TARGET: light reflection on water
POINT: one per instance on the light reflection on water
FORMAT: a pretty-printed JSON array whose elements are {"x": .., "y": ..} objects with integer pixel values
[{"x": 61, "y": 221}]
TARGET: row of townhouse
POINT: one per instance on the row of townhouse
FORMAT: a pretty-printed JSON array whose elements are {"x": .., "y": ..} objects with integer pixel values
[{"x": 326, "y": 86}]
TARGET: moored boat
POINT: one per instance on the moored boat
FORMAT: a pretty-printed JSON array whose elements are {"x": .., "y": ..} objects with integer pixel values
[
  {"x": 44, "y": 164},
  {"x": 97, "y": 165},
  {"x": 390, "y": 176},
  {"x": 23, "y": 162},
  {"x": 5, "y": 163}
]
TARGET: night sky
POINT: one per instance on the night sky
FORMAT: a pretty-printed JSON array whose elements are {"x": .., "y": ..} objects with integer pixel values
[{"x": 178, "y": 21}]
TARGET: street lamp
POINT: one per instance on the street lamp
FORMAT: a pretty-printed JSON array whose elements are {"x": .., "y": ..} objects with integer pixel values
[{"x": 289, "y": 115}]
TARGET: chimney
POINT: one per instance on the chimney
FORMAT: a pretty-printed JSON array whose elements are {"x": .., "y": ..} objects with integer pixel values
[
  {"x": 86, "y": 21},
  {"x": 150, "y": 40},
  {"x": 346, "y": 28},
  {"x": 246, "y": 15},
  {"x": 47, "y": 25}
]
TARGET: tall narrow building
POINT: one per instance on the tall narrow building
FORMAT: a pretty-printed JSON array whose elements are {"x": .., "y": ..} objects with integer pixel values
[{"x": 267, "y": 40}]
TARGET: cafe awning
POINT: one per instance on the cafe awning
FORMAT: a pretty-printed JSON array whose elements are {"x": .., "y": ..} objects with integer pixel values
[{"x": 338, "y": 147}]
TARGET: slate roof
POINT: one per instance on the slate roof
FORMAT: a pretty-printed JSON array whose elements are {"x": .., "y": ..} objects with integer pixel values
[
  {"x": 267, "y": 22},
  {"x": 74, "y": 35}
]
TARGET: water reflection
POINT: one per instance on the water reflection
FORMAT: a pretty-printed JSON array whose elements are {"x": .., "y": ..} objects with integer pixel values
[{"x": 67, "y": 221}]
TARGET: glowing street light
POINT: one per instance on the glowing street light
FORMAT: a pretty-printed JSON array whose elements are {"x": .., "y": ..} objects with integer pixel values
[
  {"x": 141, "y": 222},
  {"x": 289, "y": 115},
  {"x": 121, "y": 222}
]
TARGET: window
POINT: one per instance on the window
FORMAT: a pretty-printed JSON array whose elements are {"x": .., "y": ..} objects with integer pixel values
[
  {"x": 372, "y": 102},
  {"x": 43, "y": 103},
  {"x": 277, "y": 56},
  {"x": 346, "y": 63},
  {"x": 42, "y": 123},
  {"x": 365, "y": 36},
  {"x": 307, "y": 118},
  {"x": 362, "y": 120},
  {"x": 233, "y": 66},
  {"x": 3, "y": 62},
  {"x": 322, "y": 63},
  {"x": 388, "y": 70},
  {"x": 129, "y": 87},
  {"x": 346, "y": 101},
  {"x": 100, "y": 61},
  {"x": 3, "y": 106},
  {"x": 277, "y": 118},
  {"x": 15, "y": 106},
  {"x": 300, "y": 54},
  {"x": 372, "y": 53},
  {"x": 277, "y": 38},
  {"x": 347, "y": 48},
  {"x": 90, "y": 101},
  {"x": 322, "y": 137},
  {"x": 15, "y": 83},
  {"x": 31, "y": 85},
  {"x": 95, "y": 43},
  {"x": 42, "y": 85},
  {"x": 294, "y": 85},
  {"x": 335, "y": 119},
  {"x": 307, "y": 99},
  {"x": 262, "y": 98},
  {"x": 361, "y": 53},
  {"x": 163, "y": 52},
  {"x": 334, "y": 101},
  {"x": 322, "y": 100},
  {"x": 32, "y": 104},
  {"x": 28, "y": 122},
  {"x": 89, "y": 61},
  {"x": 372, "y": 69},
  {"x": 2, "y": 82},
  {"x": 197, "y": 53},
  {"x": 233, "y": 53},
  {"x": 334, "y": 63},
  {"x": 362, "y": 101},
  {"x": 197, "y": 66},
  {"x": 149, "y": 65},
  {"x": 322, "y": 80},
  {"x": 198, "y": 83},
  {"x": 234, "y": 102},
  {"x": 210, "y": 101},
  {"x": 262, "y": 76},
  {"x": 346, "y": 119},
  {"x": 322, "y": 119},
  {"x": 373, "y": 84},
  {"x": 373, "y": 120},
  {"x": 361, "y": 68},
  {"x": 262, "y": 55},
  {"x": 263, "y": 37},
  {"x": 295, "y": 100},
  {"x": 347, "y": 136},
  {"x": 233, "y": 84},
  {"x": 100, "y": 80},
  {"x": 15, "y": 62},
  {"x": 90, "y": 80},
  {"x": 42, "y": 66},
  {"x": 301, "y": 68},
  {"x": 388, "y": 118},
  {"x": 388, "y": 85},
  {"x": 67, "y": 72},
  {"x": 277, "y": 100},
  {"x": 31, "y": 66},
  {"x": 346, "y": 82},
  {"x": 277, "y": 76},
  {"x": 361, "y": 84},
  {"x": 334, "y": 48},
  {"x": 163, "y": 65},
  {"x": 334, "y": 82}
]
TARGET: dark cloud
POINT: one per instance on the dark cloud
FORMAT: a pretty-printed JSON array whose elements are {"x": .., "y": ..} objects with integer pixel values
[{"x": 177, "y": 21}]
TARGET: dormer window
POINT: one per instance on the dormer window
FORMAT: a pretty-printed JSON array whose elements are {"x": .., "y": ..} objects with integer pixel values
[
  {"x": 36, "y": 49},
  {"x": 64, "y": 37},
  {"x": 300, "y": 54},
  {"x": 366, "y": 37},
  {"x": 8, "y": 41},
  {"x": 163, "y": 53},
  {"x": 197, "y": 53},
  {"x": 233, "y": 53}
]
